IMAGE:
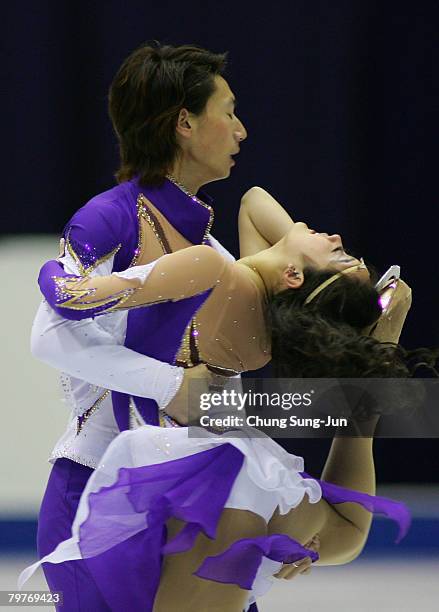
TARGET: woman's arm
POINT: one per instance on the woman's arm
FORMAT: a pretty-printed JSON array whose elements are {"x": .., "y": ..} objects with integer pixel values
[
  {"x": 349, "y": 464},
  {"x": 342, "y": 528},
  {"x": 262, "y": 221},
  {"x": 173, "y": 277}
]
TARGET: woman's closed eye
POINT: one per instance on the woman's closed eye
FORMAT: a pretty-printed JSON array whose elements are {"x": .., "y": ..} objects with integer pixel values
[{"x": 342, "y": 250}]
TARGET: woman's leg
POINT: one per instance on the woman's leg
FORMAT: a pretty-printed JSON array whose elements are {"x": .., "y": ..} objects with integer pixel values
[
  {"x": 66, "y": 483},
  {"x": 180, "y": 591}
]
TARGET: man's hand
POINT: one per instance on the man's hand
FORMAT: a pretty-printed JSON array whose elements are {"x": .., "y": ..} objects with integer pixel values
[
  {"x": 303, "y": 566},
  {"x": 178, "y": 408}
]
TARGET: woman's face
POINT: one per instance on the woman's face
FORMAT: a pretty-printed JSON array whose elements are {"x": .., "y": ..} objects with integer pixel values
[{"x": 318, "y": 250}]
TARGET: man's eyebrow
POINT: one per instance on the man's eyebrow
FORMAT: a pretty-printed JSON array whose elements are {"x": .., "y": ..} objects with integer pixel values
[{"x": 233, "y": 100}]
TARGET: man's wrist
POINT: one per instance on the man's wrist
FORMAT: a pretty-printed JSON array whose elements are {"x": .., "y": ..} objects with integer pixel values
[{"x": 176, "y": 375}]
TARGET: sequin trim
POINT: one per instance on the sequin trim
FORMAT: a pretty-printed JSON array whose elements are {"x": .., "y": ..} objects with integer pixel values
[
  {"x": 222, "y": 371},
  {"x": 83, "y": 270},
  {"x": 166, "y": 419},
  {"x": 194, "y": 334},
  {"x": 71, "y": 297},
  {"x": 195, "y": 199},
  {"x": 139, "y": 237},
  {"x": 80, "y": 422},
  {"x": 144, "y": 212},
  {"x": 154, "y": 223},
  {"x": 184, "y": 353},
  {"x": 65, "y": 453},
  {"x": 66, "y": 386},
  {"x": 136, "y": 420}
]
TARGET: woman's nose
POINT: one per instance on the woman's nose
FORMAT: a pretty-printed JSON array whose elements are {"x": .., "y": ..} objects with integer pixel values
[{"x": 335, "y": 238}]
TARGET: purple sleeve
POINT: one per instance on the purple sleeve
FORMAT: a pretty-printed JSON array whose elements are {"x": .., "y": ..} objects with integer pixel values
[
  {"x": 93, "y": 237},
  {"x": 51, "y": 280}
]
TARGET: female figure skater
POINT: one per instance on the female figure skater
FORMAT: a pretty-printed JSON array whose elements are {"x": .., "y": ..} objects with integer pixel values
[{"x": 229, "y": 511}]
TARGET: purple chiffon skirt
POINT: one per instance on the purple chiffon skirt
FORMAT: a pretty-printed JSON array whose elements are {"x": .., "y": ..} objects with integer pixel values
[{"x": 124, "y": 533}]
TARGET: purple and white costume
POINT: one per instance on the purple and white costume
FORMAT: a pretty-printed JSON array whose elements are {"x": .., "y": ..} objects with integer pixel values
[
  {"x": 95, "y": 355},
  {"x": 152, "y": 473}
]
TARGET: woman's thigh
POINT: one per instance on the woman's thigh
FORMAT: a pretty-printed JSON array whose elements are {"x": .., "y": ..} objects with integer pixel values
[{"x": 180, "y": 590}]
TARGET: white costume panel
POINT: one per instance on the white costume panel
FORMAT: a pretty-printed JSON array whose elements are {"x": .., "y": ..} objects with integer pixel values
[{"x": 93, "y": 360}]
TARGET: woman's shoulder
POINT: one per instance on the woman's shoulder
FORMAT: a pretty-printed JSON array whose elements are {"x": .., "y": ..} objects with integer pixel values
[{"x": 201, "y": 257}]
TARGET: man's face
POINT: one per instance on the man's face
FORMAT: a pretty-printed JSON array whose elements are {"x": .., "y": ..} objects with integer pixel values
[{"x": 217, "y": 134}]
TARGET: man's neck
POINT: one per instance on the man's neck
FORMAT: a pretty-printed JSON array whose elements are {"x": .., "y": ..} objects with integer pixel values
[{"x": 188, "y": 177}]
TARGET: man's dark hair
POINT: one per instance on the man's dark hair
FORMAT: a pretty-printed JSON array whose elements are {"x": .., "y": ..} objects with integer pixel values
[{"x": 150, "y": 88}]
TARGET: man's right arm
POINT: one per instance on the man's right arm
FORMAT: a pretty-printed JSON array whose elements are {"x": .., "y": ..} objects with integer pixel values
[
  {"x": 84, "y": 350},
  {"x": 89, "y": 350}
]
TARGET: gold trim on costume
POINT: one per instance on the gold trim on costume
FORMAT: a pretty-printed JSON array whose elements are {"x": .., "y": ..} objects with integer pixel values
[
  {"x": 145, "y": 214},
  {"x": 87, "y": 414},
  {"x": 195, "y": 199},
  {"x": 83, "y": 270},
  {"x": 76, "y": 295}
]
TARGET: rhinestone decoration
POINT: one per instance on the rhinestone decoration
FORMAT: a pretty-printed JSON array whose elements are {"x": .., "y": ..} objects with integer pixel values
[
  {"x": 87, "y": 414},
  {"x": 198, "y": 201},
  {"x": 68, "y": 295},
  {"x": 66, "y": 453},
  {"x": 88, "y": 262}
]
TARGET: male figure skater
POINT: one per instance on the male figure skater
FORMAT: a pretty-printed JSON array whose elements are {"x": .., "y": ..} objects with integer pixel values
[{"x": 173, "y": 114}]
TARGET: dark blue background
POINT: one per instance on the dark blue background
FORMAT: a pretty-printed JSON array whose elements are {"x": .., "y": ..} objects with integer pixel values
[{"x": 340, "y": 102}]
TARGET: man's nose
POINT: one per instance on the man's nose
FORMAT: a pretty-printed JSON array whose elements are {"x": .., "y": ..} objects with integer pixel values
[{"x": 241, "y": 132}]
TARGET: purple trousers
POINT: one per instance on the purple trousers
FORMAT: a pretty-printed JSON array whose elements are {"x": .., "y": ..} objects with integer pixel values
[{"x": 122, "y": 572}]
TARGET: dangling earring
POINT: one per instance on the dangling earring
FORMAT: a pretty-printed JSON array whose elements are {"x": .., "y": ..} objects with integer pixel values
[{"x": 292, "y": 270}]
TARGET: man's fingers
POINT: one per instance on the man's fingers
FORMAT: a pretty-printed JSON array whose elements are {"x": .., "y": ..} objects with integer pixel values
[
  {"x": 289, "y": 570},
  {"x": 296, "y": 571},
  {"x": 303, "y": 566},
  {"x": 314, "y": 543}
]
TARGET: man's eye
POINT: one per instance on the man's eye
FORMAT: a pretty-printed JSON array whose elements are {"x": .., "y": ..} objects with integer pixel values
[{"x": 230, "y": 115}]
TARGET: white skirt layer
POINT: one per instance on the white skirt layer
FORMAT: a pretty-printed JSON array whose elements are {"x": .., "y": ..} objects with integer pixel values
[{"x": 268, "y": 479}]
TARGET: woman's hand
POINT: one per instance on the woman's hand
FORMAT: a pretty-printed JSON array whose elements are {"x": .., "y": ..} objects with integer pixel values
[
  {"x": 389, "y": 325},
  {"x": 303, "y": 566}
]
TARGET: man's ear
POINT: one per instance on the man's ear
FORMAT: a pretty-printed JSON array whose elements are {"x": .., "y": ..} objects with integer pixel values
[
  {"x": 292, "y": 278},
  {"x": 184, "y": 127}
]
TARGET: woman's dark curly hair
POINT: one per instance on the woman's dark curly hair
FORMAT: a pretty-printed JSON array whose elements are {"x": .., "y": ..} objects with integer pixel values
[
  {"x": 150, "y": 88},
  {"x": 323, "y": 339}
]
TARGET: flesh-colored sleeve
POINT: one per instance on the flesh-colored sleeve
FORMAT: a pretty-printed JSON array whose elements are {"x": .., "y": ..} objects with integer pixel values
[{"x": 173, "y": 277}]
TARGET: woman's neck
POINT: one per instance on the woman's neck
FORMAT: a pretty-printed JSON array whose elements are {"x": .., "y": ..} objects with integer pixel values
[
  {"x": 262, "y": 271},
  {"x": 268, "y": 267}
]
